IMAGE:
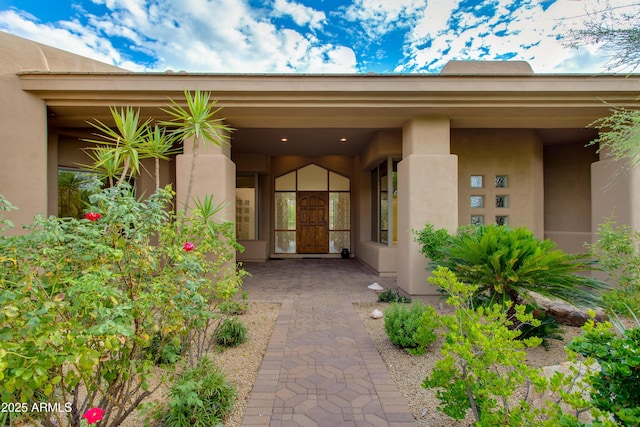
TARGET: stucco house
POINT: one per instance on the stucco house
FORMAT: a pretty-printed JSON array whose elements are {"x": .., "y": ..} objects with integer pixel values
[{"x": 319, "y": 163}]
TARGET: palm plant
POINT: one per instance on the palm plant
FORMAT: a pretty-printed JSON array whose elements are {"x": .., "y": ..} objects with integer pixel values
[
  {"x": 158, "y": 145},
  {"x": 198, "y": 121},
  {"x": 508, "y": 264},
  {"x": 118, "y": 150}
]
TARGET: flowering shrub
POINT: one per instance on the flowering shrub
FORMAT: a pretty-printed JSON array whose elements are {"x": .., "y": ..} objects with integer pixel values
[{"x": 80, "y": 301}]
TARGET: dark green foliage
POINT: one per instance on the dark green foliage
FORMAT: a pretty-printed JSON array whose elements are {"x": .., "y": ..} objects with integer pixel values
[
  {"x": 548, "y": 329},
  {"x": 411, "y": 328},
  {"x": 507, "y": 264},
  {"x": 230, "y": 333},
  {"x": 200, "y": 397},
  {"x": 390, "y": 295},
  {"x": 616, "y": 388},
  {"x": 165, "y": 351}
]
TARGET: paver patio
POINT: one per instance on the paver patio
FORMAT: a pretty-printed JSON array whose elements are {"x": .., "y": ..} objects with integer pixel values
[{"x": 321, "y": 368}]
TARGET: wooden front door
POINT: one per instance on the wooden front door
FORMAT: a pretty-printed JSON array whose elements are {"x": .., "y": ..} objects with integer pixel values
[{"x": 313, "y": 222}]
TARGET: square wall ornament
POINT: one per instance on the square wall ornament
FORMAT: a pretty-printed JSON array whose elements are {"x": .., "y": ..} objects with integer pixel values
[
  {"x": 476, "y": 181},
  {"x": 501, "y": 181}
]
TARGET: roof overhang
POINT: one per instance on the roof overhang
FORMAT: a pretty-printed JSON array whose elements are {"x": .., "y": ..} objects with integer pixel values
[{"x": 367, "y": 102}]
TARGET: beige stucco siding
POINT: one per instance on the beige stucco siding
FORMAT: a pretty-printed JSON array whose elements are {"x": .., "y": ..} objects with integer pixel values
[{"x": 516, "y": 153}]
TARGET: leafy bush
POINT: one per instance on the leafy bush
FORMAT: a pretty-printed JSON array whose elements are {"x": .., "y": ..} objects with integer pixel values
[
  {"x": 80, "y": 301},
  {"x": 410, "y": 328},
  {"x": 618, "y": 252},
  {"x": 391, "y": 295},
  {"x": 547, "y": 329},
  {"x": 507, "y": 264},
  {"x": 235, "y": 307},
  {"x": 201, "y": 397},
  {"x": 231, "y": 332},
  {"x": 616, "y": 387}
]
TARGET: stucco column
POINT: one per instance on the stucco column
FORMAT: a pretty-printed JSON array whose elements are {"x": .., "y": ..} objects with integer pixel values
[
  {"x": 615, "y": 192},
  {"x": 215, "y": 174},
  {"x": 427, "y": 192}
]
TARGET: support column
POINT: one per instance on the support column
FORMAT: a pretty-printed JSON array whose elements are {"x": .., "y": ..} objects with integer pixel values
[
  {"x": 215, "y": 174},
  {"x": 615, "y": 192},
  {"x": 427, "y": 192}
]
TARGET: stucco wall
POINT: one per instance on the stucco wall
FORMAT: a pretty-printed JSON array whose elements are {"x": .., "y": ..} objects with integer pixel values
[
  {"x": 516, "y": 153},
  {"x": 567, "y": 194},
  {"x": 23, "y": 163}
]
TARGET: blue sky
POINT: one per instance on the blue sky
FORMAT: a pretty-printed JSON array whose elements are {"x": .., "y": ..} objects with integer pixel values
[{"x": 311, "y": 36}]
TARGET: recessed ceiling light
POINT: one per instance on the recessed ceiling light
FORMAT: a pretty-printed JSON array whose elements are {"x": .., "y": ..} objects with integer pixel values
[
  {"x": 343, "y": 140},
  {"x": 284, "y": 140}
]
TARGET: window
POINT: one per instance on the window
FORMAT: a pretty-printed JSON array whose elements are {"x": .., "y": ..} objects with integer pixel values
[
  {"x": 501, "y": 181},
  {"x": 502, "y": 220},
  {"x": 501, "y": 201},
  {"x": 384, "y": 187},
  {"x": 246, "y": 207},
  {"x": 477, "y": 219},
  {"x": 477, "y": 201},
  {"x": 74, "y": 188},
  {"x": 476, "y": 181}
]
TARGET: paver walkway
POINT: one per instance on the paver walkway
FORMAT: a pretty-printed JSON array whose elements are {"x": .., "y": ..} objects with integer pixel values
[{"x": 321, "y": 367}]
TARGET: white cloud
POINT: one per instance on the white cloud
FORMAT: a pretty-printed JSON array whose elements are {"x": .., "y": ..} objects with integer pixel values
[
  {"x": 378, "y": 17},
  {"x": 194, "y": 35},
  {"x": 301, "y": 14},
  {"x": 517, "y": 29}
]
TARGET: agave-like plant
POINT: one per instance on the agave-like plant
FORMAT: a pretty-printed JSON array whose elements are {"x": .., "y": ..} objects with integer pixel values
[
  {"x": 198, "y": 121},
  {"x": 507, "y": 264}
]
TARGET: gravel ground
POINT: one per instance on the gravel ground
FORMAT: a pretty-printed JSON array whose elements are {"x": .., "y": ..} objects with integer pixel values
[
  {"x": 241, "y": 364},
  {"x": 409, "y": 371}
]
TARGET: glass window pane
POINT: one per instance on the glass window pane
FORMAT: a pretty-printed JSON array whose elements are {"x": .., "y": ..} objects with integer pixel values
[
  {"x": 74, "y": 187},
  {"x": 339, "y": 240},
  {"x": 285, "y": 242},
  {"x": 245, "y": 213},
  {"x": 501, "y": 181},
  {"x": 285, "y": 204},
  {"x": 477, "y": 201},
  {"x": 477, "y": 219},
  {"x": 286, "y": 182},
  {"x": 476, "y": 181},
  {"x": 338, "y": 182},
  {"x": 313, "y": 178},
  {"x": 502, "y": 220},
  {"x": 339, "y": 211},
  {"x": 501, "y": 201}
]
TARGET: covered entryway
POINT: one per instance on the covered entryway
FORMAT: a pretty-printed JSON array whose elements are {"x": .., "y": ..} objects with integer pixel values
[{"x": 312, "y": 212}]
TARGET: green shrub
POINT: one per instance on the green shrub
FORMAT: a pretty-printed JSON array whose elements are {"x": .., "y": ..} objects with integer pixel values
[
  {"x": 391, "y": 295},
  {"x": 548, "y": 329},
  {"x": 618, "y": 252},
  {"x": 235, "y": 307},
  {"x": 200, "y": 397},
  {"x": 411, "y": 328},
  {"x": 230, "y": 333},
  {"x": 507, "y": 264},
  {"x": 616, "y": 387}
]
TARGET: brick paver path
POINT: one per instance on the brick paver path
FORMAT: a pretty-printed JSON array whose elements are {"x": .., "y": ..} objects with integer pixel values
[{"x": 321, "y": 368}]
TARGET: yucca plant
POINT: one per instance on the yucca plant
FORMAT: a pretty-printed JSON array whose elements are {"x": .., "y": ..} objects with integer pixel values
[
  {"x": 508, "y": 264},
  {"x": 198, "y": 121}
]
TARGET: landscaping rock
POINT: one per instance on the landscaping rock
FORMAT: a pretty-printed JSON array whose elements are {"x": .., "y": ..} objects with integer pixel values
[{"x": 564, "y": 312}]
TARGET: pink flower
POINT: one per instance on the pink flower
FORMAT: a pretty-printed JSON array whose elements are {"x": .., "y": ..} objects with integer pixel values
[
  {"x": 188, "y": 246},
  {"x": 93, "y": 415},
  {"x": 92, "y": 216}
]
